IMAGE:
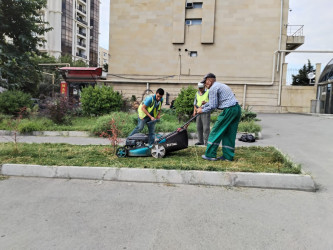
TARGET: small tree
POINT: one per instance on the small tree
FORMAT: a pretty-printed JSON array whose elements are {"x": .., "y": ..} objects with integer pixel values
[
  {"x": 184, "y": 103},
  {"x": 302, "y": 79}
]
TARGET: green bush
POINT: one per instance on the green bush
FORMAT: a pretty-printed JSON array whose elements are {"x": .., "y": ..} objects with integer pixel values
[
  {"x": 124, "y": 121},
  {"x": 12, "y": 101},
  {"x": 100, "y": 100},
  {"x": 184, "y": 103},
  {"x": 248, "y": 115},
  {"x": 249, "y": 127},
  {"x": 60, "y": 110}
]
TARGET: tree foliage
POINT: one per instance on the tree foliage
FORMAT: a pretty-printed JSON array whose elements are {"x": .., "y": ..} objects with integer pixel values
[
  {"x": 21, "y": 31},
  {"x": 184, "y": 103},
  {"x": 105, "y": 67},
  {"x": 301, "y": 79}
]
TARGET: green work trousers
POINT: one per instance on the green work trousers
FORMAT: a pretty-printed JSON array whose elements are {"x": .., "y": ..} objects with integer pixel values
[{"x": 224, "y": 129}]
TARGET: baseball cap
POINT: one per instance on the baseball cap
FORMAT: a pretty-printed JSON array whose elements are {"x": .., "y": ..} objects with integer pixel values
[
  {"x": 209, "y": 75},
  {"x": 200, "y": 85}
]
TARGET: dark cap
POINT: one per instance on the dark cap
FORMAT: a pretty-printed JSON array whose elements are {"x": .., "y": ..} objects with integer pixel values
[{"x": 209, "y": 75}]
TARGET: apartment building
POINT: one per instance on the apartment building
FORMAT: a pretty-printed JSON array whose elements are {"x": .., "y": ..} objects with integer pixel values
[
  {"x": 75, "y": 29},
  {"x": 103, "y": 56},
  {"x": 172, "y": 44}
]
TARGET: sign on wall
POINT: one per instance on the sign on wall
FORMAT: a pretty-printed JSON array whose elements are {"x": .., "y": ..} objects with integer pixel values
[{"x": 64, "y": 88}]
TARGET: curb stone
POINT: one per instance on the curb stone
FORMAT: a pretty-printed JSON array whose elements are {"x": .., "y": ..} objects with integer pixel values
[
  {"x": 211, "y": 178},
  {"x": 49, "y": 133}
]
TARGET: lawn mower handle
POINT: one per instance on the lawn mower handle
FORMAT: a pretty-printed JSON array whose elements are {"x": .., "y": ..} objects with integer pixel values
[
  {"x": 156, "y": 120},
  {"x": 189, "y": 121}
]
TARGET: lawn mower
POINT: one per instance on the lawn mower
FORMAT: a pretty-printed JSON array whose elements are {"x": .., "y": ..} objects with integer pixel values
[{"x": 136, "y": 145}]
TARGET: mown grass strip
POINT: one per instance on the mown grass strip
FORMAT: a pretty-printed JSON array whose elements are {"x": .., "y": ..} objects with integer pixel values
[{"x": 248, "y": 159}]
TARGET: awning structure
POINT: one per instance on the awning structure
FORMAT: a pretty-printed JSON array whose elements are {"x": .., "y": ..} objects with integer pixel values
[{"x": 80, "y": 74}]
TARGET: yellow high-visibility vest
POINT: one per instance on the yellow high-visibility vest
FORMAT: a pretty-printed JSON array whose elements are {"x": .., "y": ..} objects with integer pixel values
[
  {"x": 201, "y": 98},
  {"x": 150, "y": 108}
]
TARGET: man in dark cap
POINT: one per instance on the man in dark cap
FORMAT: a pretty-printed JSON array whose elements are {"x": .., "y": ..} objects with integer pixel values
[{"x": 221, "y": 97}]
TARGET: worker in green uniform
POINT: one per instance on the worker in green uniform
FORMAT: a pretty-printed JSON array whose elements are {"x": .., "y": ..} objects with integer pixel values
[{"x": 221, "y": 97}]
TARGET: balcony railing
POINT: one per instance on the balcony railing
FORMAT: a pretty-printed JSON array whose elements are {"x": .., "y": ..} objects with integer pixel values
[
  {"x": 82, "y": 10},
  {"x": 295, "y": 30},
  {"x": 81, "y": 44},
  {"x": 81, "y": 55},
  {"x": 82, "y": 21},
  {"x": 82, "y": 33}
]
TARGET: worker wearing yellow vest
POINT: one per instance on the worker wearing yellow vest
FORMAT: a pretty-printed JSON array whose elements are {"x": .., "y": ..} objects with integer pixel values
[
  {"x": 203, "y": 120},
  {"x": 149, "y": 110}
]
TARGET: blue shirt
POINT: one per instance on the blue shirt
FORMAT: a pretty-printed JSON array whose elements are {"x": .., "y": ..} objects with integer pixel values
[
  {"x": 149, "y": 99},
  {"x": 220, "y": 97}
]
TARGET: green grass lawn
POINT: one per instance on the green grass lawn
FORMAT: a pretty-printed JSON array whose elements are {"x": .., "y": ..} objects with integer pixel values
[
  {"x": 247, "y": 159},
  {"x": 125, "y": 122}
]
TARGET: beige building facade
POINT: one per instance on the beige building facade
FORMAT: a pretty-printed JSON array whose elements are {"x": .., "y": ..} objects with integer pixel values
[
  {"x": 172, "y": 44},
  {"x": 103, "y": 56}
]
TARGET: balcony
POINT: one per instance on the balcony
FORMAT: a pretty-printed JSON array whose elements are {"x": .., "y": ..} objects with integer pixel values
[
  {"x": 81, "y": 55},
  {"x": 81, "y": 20},
  {"x": 81, "y": 44},
  {"x": 82, "y": 10},
  {"x": 82, "y": 33},
  {"x": 295, "y": 37}
]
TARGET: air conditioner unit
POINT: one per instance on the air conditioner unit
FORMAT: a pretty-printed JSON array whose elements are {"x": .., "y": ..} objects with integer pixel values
[
  {"x": 189, "y": 5},
  {"x": 188, "y": 22}
]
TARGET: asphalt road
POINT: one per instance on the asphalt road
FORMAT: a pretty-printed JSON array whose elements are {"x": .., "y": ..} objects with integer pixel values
[{"x": 37, "y": 213}]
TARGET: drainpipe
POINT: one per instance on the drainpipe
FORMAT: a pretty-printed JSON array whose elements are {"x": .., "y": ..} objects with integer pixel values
[
  {"x": 280, "y": 59},
  {"x": 281, "y": 75},
  {"x": 280, "y": 37},
  {"x": 244, "y": 96}
]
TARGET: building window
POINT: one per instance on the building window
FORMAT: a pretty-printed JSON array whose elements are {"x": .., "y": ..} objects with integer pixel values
[
  {"x": 193, "y": 53},
  {"x": 193, "y": 21},
  {"x": 197, "y": 5}
]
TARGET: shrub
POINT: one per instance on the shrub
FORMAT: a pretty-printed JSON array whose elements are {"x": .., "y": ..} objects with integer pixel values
[
  {"x": 248, "y": 115},
  {"x": 100, "y": 100},
  {"x": 184, "y": 103},
  {"x": 30, "y": 125},
  {"x": 59, "y": 110},
  {"x": 124, "y": 121},
  {"x": 12, "y": 101},
  {"x": 249, "y": 127}
]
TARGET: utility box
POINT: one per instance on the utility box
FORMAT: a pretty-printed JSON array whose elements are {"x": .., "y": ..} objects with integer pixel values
[{"x": 315, "y": 106}]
